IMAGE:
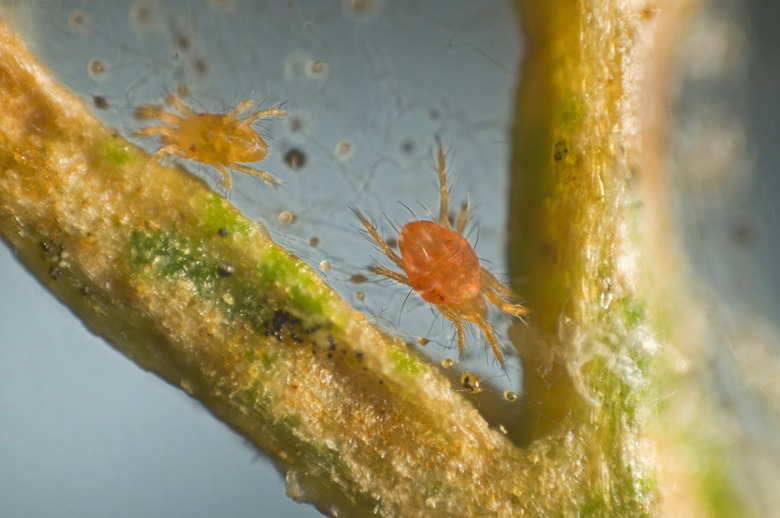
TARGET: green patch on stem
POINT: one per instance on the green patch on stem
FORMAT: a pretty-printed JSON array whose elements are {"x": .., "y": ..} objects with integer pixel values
[
  {"x": 600, "y": 503},
  {"x": 406, "y": 364},
  {"x": 611, "y": 426},
  {"x": 173, "y": 256},
  {"x": 592, "y": 505},
  {"x": 252, "y": 304},
  {"x": 647, "y": 485},
  {"x": 300, "y": 284},
  {"x": 267, "y": 361},
  {"x": 354, "y": 361},
  {"x": 293, "y": 421},
  {"x": 332, "y": 458},
  {"x": 256, "y": 397},
  {"x": 570, "y": 113},
  {"x": 115, "y": 151},
  {"x": 177, "y": 257},
  {"x": 220, "y": 216},
  {"x": 633, "y": 310},
  {"x": 642, "y": 360}
]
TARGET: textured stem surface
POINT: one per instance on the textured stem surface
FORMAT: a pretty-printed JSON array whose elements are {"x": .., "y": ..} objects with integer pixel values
[{"x": 172, "y": 275}]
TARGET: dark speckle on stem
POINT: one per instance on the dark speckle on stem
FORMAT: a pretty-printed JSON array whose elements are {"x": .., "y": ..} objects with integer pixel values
[{"x": 225, "y": 270}]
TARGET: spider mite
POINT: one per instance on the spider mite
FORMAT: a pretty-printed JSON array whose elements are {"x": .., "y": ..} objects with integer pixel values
[
  {"x": 218, "y": 140},
  {"x": 440, "y": 265}
]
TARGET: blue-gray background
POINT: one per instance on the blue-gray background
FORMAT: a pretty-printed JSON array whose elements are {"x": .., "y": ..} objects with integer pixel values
[{"x": 84, "y": 432}]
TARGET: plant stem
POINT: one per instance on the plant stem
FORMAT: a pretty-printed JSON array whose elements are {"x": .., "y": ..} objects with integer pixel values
[{"x": 177, "y": 279}]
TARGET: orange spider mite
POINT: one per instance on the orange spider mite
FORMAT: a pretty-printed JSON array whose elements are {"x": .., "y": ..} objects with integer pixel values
[
  {"x": 440, "y": 265},
  {"x": 215, "y": 139}
]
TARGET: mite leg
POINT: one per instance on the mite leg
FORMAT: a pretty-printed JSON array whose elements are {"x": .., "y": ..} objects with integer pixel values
[
  {"x": 444, "y": 218},
  {"x": 226, "y": 180},
  {"x": 381, "y": 242},
  {"x": 390, "y": 274},
  {"x": 489, "y": 281},
  {"x": 486, "y": 328},
  {"x": 148, "y": 111},
  {"x": 180, "y": 107},
  {"x": 458, "y": 323},
  {"x": 153, "y": 131},
  {"x": 463, "y": 217},
  {"x": 273, "y": 112},
  {"x": 513, "y": 309},
  {"x": 241, "y": 107},
  {"x": 256, "y": 172},
  {"x": 164, "y": 151}
]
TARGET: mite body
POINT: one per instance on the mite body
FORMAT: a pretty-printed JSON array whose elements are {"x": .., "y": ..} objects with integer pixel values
[
  {"x": 441, "y": 266},
  {"x": 219, "y": 140}
]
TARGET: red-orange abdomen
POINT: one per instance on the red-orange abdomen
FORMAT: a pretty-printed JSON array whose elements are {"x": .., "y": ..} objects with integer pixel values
[{"x": 440, "y": 264}]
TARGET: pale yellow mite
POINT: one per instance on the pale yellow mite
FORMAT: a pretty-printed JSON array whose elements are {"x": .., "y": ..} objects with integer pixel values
[{"x": 215, "y": 139}]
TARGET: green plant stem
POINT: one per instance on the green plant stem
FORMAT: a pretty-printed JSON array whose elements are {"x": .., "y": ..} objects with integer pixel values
[{"x": 589, "y": 230}]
